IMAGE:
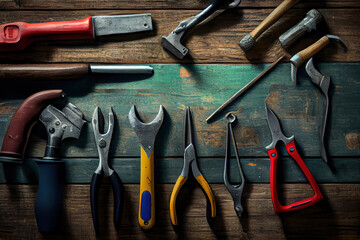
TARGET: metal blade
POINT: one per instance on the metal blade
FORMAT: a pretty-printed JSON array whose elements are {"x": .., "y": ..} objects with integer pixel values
[
  {"x": 121, "y": 69},
  {"x": 275, "y": 129},
  {"x": 121, "y": 24}
]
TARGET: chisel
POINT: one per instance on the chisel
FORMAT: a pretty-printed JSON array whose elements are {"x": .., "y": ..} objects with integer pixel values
[
  {"x": 64, "y": 71},
  {"x": 17, "y": 36}
]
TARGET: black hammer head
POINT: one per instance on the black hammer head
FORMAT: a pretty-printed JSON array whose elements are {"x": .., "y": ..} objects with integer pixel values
[
  {"x": 146, "y": 132},
  {"x": 173, "y": 45}
]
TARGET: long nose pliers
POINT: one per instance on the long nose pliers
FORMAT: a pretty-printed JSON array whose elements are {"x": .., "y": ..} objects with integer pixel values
[
  {"x": 278, "y": 135},
  {"x": 190, "y": 160},
  {"x": 103, "y": 141}
]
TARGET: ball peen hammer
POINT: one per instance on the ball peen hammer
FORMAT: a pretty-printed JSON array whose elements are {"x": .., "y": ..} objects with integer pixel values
[{"x": 248, "y": 42}]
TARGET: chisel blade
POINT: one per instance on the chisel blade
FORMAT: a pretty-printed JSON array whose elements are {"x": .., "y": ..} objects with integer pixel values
[{"x": 122, "y": 24}]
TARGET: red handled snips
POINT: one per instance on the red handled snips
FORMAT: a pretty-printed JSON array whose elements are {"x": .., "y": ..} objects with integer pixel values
[{"x": 277, "y": 135}]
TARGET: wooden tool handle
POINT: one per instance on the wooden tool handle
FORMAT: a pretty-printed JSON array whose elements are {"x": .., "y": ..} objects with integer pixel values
[
  {"x": 42, "y": 71},
  {"x": 310, "y": 51},
  {"x": 147, "y": 191},
  {"x": 273, "y": 17}
]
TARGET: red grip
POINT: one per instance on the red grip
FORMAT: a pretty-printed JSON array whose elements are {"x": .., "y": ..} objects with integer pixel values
[
  {"x": 17, "y": 36},
  {"x": 278, "y": 208}
]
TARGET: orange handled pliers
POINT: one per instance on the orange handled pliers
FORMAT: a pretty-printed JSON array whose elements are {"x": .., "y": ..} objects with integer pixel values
[{"x": 190, "y": 159}]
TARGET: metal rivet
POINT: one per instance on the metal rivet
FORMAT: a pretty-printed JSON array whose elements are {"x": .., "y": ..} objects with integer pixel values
[
  {"x": 292, "y": 149},
  {"x": 51, "y": 130},
  {"x": 64, "y": 126},
  {"x": 273, "y": 154},
  {"x": 146, "y": 222},
  {"x": 102, "y": 143},
  {"x": 57, "y": 123}
]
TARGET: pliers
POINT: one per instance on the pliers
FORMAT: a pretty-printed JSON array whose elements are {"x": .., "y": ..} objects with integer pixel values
[
  {"x": 277, "y": 135},
  {"x": 103, "y": 141},
  {"x": 190, "y": 160},
  {"x": 235, "y": 190}
]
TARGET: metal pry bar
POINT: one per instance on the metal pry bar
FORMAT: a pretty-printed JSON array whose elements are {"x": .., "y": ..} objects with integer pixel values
[
  {"x": 172, "y": 42},
  {"x": 323, "y": 82}
]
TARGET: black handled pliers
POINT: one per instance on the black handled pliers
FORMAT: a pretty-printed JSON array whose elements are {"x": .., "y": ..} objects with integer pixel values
[
  {"x": 103, "y": 141},
  {"x": 235, "y": 190}
]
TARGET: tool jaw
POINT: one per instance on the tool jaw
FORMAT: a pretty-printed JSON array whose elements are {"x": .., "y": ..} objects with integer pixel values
[
  {"x": 103, "y": 140},
  {"x": 276, "y": 133},
  {"x": 146, "y": 132},
  {"x": 60, "y": 125}
]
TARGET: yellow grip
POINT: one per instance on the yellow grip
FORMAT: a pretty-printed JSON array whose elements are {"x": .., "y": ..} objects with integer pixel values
[
  {"x": 204, "y": 184},
  {"x": 147, "y": 191},
  {"x": 180, "y": 181}
]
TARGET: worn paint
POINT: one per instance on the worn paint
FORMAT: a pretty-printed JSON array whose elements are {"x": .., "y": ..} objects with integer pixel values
[
  {"x": 184, "y": 73},
  {"x": 252, "y": 164},
  {"x": 352, "y": 140}
]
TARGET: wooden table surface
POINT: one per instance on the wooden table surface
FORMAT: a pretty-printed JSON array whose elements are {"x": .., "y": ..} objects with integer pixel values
[{"x": 215, "y": 69}]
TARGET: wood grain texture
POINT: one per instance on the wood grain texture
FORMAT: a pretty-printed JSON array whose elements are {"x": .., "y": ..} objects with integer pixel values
[
  {"x": 204, "y": 88},
  {"x": 215, "y": 43},
  {"x": 334, "y": 218},
  {"x": 167, "y": 170},
  {"x": 155, "y": 4}
]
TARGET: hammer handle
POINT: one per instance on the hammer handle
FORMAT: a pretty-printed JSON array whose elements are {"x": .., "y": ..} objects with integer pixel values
[
  {"x": 17, "y": 36},
  {"x": 273, "y": 17},
  {"x": 147, "y": 191},
  {"x": 310, "y": 51},
  {"x": 43, "y": 71}
]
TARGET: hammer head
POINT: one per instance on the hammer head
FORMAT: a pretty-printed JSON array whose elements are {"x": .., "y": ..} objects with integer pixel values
[
  {"x": 173, "y": 45},
  {"x": 146, "y": 132}
]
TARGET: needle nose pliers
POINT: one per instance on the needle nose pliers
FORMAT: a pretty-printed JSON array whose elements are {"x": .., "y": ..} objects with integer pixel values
[
  {"x": 190, "y": 160},
  {"x": 278, "y": 135},
  {"x": 103, "y": 141}
]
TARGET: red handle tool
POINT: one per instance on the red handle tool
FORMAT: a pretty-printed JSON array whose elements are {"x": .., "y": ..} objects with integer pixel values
[
  {"x": 277, "y": 135},
  {"x": 291, "y": 149},
  {"x": 16, "y": 36}
]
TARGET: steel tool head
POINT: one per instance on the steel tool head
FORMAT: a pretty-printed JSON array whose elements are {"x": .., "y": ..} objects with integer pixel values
[
  {"x": 121, "y": 24},
  {"x": 172, "y": 44},
  {"x": 322, "y": 81},
  {"x": 338, "y": 39},
  {"x": 65, "y": 123},
  {"x": 146, "y": 132},
  {"x": 102, "y": 139},
  {"x": 247, "y": 43},
  {"x": 276, "y": 133}
]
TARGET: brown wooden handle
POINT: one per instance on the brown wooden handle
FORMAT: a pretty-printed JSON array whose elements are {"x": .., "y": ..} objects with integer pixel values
[
  {"x": 273, "y": 17},
  {"x": 310, "y": 51},
  {"x": 16, "y": 136},
  {"x": 42, "y": 71}
]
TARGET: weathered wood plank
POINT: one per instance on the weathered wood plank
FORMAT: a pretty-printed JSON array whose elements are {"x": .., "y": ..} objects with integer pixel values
[
  {"x": 256, "y": 170},
  {"x": 155, "y": 4},
  {"x": 334, "y": 218},
  {"x": 204, "y": 88},
  {"x": 215, "y": 43}
]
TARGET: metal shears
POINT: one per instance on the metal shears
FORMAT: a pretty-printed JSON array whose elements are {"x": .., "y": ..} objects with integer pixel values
[{"x": 277, "y": 135}]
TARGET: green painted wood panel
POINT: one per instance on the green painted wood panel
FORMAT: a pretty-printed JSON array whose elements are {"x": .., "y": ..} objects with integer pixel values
[
  {"x": 256, "y": 170},
  {"x": 204, "y": 88}
]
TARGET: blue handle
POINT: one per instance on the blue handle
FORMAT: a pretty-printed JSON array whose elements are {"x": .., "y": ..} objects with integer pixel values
[{"x": 49, "y": 198}]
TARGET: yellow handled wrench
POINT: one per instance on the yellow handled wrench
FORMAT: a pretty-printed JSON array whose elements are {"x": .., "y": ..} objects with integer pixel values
[{"x": 146, "y": 133}]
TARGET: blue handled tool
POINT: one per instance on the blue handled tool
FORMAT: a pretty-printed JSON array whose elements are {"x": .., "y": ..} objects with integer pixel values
[
  {"x": 103, "y": 141},
  {"x": 59, "y": 125}
]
